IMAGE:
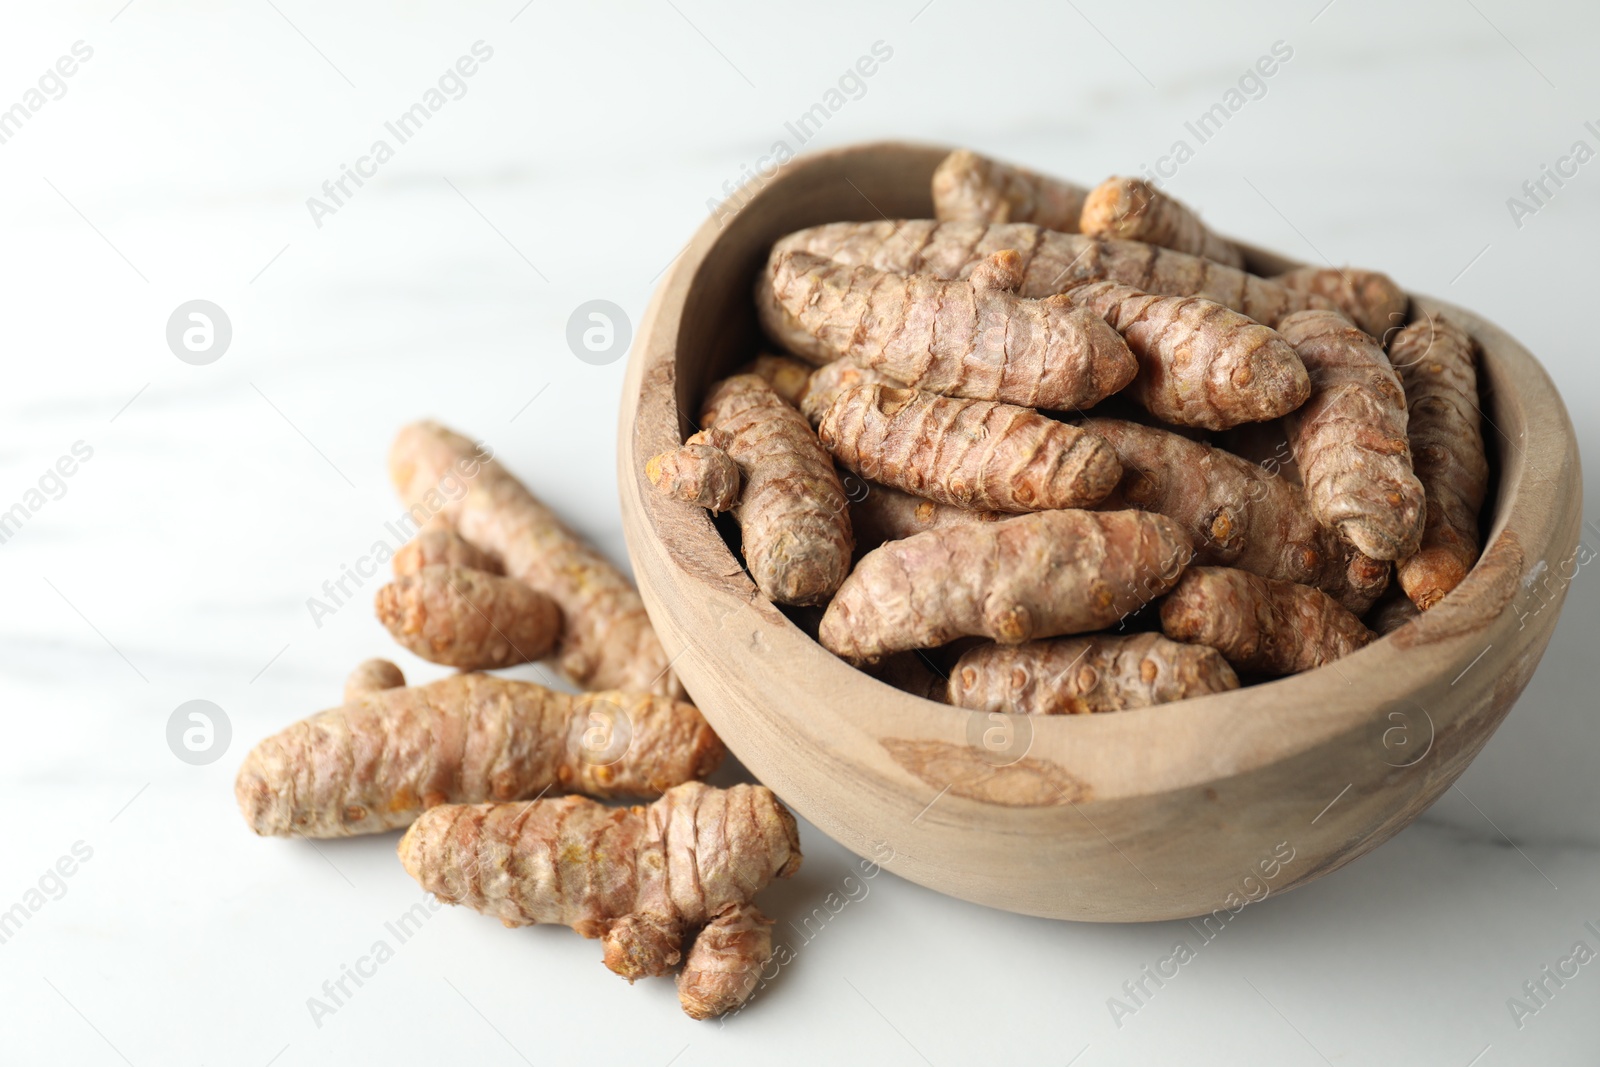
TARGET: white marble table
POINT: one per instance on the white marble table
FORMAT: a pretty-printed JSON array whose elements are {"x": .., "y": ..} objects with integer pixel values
[{"x": 175, "y": 562}]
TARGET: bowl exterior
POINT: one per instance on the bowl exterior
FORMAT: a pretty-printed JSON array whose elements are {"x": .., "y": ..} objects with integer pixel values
[{"x": 1191, "y": 809}]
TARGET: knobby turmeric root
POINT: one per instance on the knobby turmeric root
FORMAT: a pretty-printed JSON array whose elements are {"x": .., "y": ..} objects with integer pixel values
[
  {"x": 1135, "y": 210},
  {"x": 1200, "y": 364},
  {"x": 1051, "y": 263},
  {"x": 831, "y": 379},
  {"x": 1368, "y": 298},
  {"x": 1078, "y": 675},
  {"x": 440, "y": 546},
  {"x": 372, "y": 676},
  {"x": 607, "y": 641},
  {"x": 793, "y": 515},
  {"x": 699, "y": 473},
  {"x": 971, "y": 453},
  {"x": 974, "y": 338},
  {"x": 1350, "y": 441},
  {"x": 468, "y": 619},
  {"x": 1435, "y": 359},
  {"x": 1260, "y": 624},
  {"x": 886, "y": 514},
  {"x": 1237, "y": 513},
  {"x": 968, "y": 187},
  {"x": 377, "y": 762},
  {"x": 1055, "y": 572},
  {"x": 643, "y": 878}
]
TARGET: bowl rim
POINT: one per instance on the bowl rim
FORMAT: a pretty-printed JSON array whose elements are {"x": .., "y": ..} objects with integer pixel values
[{"x": 1536, "y": 516}]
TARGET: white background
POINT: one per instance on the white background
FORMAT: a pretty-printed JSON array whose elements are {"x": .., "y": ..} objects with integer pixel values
[{"x": 178, "y": 562}]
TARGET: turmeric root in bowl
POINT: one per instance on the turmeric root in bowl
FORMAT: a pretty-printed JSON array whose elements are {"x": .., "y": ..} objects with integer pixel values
[{"x": 1168, "y": 699}]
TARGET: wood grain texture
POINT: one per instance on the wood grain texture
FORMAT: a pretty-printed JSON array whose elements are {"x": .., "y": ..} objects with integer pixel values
[{"x": 1155, "y": 813}]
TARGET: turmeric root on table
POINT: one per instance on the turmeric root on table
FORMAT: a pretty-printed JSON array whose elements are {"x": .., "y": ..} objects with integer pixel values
[
  {"x": 1051, "y": 263},
  {"x": 968, "y": 187},
  {"x": 1135, "y": 210},
  {"x": 379, "y": 761},
  {"x": 973, "y": 338},
  {"x": 1040, "y": 575},
  {"x": 468, "y": 619},
  {"x": 439, "y": 545},
  {"x": 699, "y": 472},
  {"x": 1435, "y": 359},
  {"x": 372, "y": 676},
  {"x": 1368, "y": 298},
  {"x": 606, "y": 641},
  {"x": 1349, "y": 439},
  {"x": 1260, "y": 624},
  {"x": 1078, "y": 675},
  {"x": 1200, "y": 364},
  {"x": 793, "y": 516},
  {"x": 972, "y": 453},
  {"x": 644, "y": 879}
]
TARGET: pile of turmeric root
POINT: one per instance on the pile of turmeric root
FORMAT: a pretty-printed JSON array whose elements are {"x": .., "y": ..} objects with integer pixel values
[
  {"x": 467, "y": 763},
  {"x": 1102, "y": 464}
]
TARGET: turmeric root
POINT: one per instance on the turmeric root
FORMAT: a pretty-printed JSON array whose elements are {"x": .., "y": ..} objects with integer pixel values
[
  {"x": 641, "y": 878},
  {"x": 972, "y": 338},
  {"x": 379, "y": 761},
  {"x": 1368, "y": 298},
  {"x": 790, "y": 378},
  {"x": 372, "y": 676},
  {"x": 1051, "y": 263},
  {"x": 1056, "y": 572},
  {"x": 698, "y": 473},
  {"x": 468, "y": 619},
  {"x": 1200, "y": 364},
  {"x": 792, "y": 514},
  {"x": 972, "y": 453},
  {"x": 886, "y": 514},
  {"x": 1260, "y": 624},
  {"x": 831, "y": 379},
  {"x": 1135, "y": 210},
  {"x": 441, "y": 546},
  {"x": 968, "y": 187},
  {"x": 1349, "y": 439},
  {"x": 1435, "y": 359},
  {"x": 607, "y": 641},
  {"x": 1078, "y": 675}
]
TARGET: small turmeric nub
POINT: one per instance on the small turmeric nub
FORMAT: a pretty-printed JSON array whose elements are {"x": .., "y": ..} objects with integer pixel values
[
  {"x": 1135, "y": 210},
  {"x": 1260, "y": 624},
  {"x": 467, "y": 619},
  {"x": 699, "y": 473},
  {"x": 968, "y": 187},
  {"x": 372, "y": 676},
  {"x": 1368, "y": 298},
  {"x": 441, "y": 546}
]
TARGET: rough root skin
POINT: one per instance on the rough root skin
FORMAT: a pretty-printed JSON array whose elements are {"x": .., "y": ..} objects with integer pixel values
[
  {"x": 972, "y": 338},
  {"x": 1056, "y": 572},
  {"x": 642, "y": 878},
  {"x": 467, "y": 619},
  {"x": 831, "y": 379},
  {"x": 790, "y": 378},
  {"x": 1135, "y": 210},
  {"x": 376, "y": 763},
  {"x": 978, "y": 454},
  {"x": 372, "y": 676},
  {"x": 699, "y": 473},
  {"x": 607, "y": 641},
  {"x": 1435, "y": 358},
  {"x": 793, "y": 515},
  {"x": 1200, "y": 364},
  {"x": 968, "y": 187},
  {"x": 1079, "y": 675},
  {"x": 1369, "y": 298},
  {"x": 887, "y": 514},
  {"x": 441, "y": 546},
  {"x": 1051, "y": 263},
  {"x": 1259, "y": 624},
  {"x": 1350, "y": 441},
  {"x": 725, "y": 962}
]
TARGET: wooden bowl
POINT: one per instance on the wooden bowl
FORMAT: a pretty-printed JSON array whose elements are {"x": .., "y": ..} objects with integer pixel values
[{"x": 1151, "y": 814}]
